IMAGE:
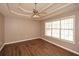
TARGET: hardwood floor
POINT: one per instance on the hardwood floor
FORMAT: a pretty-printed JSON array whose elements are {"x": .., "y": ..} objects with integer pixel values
[{"x": 37, "y": 47}]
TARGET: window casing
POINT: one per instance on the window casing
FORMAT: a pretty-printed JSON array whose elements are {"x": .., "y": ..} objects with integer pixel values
[{"x": 62, "y": 29}]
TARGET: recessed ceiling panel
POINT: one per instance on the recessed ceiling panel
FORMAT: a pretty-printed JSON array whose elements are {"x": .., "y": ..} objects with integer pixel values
[{"x": 44, "y": 9}]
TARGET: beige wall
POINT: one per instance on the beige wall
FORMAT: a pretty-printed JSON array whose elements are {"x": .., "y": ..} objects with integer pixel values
[
  {"x": 17, "y": 28},
  {"x": 71, "y": 46},
  {"x": 1, "y": 29}
]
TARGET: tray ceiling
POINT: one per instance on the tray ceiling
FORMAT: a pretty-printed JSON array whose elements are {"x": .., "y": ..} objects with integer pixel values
[{"x": 26, "y": 9}]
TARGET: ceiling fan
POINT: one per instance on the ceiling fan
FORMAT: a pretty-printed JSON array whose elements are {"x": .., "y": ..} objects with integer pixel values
[{"x": 35, "y": 13}]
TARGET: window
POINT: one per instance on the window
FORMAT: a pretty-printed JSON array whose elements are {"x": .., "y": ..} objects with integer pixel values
[
  {"x": 48, "y": 29},
  {"x": 67, "y": 28},
  {"x": 62, "y": 29},
  {"x": 56, "y": 29}
]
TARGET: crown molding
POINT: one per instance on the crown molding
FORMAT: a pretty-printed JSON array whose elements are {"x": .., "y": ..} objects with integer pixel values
[
  {"x": 24, "y": 10},
  {"x": 46, "y": 7},
  {"x": 56, "y": 9},
  {"x": 16, "y": 13},
  {"x": 29, "y": 12}
]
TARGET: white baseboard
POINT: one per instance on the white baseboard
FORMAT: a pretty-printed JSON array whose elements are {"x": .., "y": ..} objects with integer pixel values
[
  {"x": 21, "y": 40},
  {"x": 61, "y": 46},
  {"x": 2, "y": 46},
  {"x": 43, "y": 39}
]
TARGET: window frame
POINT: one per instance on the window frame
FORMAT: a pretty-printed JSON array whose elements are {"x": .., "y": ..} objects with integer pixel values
[
  {"x": 73, "y": 16},
  {"x": 64, "y": 40}
]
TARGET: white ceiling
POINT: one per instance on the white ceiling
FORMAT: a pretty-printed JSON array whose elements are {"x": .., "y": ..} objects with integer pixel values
[{"x": 26, "y": 9}]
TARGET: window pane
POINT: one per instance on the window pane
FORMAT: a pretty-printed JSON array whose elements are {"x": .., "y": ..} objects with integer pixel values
[
  {"x": 55, "y": 33},
  {"x": 67, "y": 23},
  {"x": 56, "y": 24},
  {"x": 48, "y": 32},
  {"x": 48, "y": 25},
  {"x": 67, "y": 35}
]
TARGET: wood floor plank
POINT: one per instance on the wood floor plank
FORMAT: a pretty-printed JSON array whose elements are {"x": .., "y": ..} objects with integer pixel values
[{"x": 37, "y": 47}]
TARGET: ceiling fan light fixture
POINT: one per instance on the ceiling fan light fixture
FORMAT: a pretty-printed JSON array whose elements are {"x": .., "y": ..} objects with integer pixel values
[
  {"x": 35, "y": 13},
  {"x": 36, "y": 16}
]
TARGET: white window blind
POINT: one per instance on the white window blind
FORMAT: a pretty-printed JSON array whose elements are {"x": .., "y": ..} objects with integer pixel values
[
  {"x": 62, "y": 29},
  {"x": 56, "y": 29},
  {"x": 67, "y": 29},
  {"x": 48, "y": 29}
]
